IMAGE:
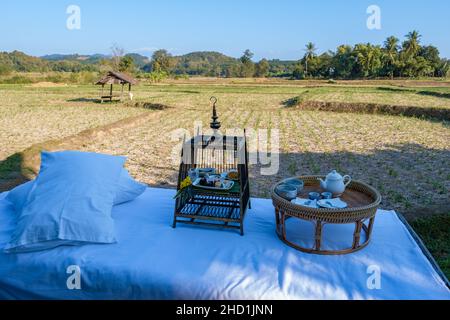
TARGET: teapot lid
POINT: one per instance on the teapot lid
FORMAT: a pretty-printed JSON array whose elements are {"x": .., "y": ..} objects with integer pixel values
[{"x": 334, "y": 175}]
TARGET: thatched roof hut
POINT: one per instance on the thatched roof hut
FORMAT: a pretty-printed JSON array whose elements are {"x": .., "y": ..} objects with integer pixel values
[{"x": 114, "y": 77}]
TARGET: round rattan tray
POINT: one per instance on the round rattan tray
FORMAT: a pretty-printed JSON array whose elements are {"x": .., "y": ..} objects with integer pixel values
[{"x": 362, "y": 200}]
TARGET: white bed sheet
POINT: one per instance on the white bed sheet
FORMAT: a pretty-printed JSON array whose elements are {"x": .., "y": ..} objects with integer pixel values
[{"x": 154, "y": 261}]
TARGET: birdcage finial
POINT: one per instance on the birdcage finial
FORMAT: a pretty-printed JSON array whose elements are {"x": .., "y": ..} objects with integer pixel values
[{"x": 215, "y": 125}]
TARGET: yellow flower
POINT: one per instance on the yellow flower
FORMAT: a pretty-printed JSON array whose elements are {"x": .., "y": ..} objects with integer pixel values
[{"x": 185, "y": 183}]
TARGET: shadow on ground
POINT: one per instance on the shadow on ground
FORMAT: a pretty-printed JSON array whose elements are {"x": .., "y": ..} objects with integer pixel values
[
  {"x": 96, "y": 100},
  {"x": 435, "y": 94},
  {"x": 92, "y": 100},
  {"x": 419, "y": 92},
  {"x": 12, "y": 173},
  {"x": 150, "y": 105}
]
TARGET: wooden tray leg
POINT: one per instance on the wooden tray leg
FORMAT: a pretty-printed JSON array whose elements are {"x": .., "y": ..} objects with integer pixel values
[
  {"x": 318, "y": 236},
  {"x": 371, "y": 222},
  {"x": 277, "y": 217},
  {"x": 357, "y": 234},
  {"x": 283, "y": 226}
]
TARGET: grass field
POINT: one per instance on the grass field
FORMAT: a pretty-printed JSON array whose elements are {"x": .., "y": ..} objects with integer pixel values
[
  {"x": 406, "y": 158},
  {"x": 31, "y": 114}
]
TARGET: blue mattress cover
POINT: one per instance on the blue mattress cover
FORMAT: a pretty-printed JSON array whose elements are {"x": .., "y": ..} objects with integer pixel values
[{"x": 154, "y": 261}]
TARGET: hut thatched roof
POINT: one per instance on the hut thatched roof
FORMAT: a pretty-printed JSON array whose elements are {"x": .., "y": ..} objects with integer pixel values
[{"x": 114, "y": 77}]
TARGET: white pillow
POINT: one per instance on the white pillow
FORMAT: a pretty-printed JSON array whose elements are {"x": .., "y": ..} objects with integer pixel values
[{"x": 70, "y": 202}]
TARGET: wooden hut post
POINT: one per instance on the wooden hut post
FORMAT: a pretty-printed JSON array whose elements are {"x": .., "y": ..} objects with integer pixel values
[
  {"x": 101, "y": 96},
  {"x": 121, "y": 93},
  {"x": 111, "y": 92}
]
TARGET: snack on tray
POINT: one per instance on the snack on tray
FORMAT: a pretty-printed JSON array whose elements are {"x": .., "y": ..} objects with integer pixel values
[{"x": 233, "y": 175}]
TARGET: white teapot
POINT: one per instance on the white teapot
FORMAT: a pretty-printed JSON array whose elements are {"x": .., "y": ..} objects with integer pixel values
[{"x": 335, "y": 183}]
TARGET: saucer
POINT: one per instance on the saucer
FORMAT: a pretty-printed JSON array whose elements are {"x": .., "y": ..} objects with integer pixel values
[
  {"x": 332, "y": 203},
  {"x": 305, "y": 202}
]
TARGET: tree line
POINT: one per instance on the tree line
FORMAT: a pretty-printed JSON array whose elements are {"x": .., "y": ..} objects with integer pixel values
[
  {"x": 394, "y": 58},
  {"x": 362, "y": 61}
]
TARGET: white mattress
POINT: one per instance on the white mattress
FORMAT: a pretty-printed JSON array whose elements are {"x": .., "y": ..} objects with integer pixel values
[{"x": 154, "y": 261}]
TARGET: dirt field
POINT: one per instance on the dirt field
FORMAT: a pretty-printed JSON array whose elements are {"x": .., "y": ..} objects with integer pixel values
[
  {"x": 30, "y": 114},
  {"x": 407, "y": 159}
]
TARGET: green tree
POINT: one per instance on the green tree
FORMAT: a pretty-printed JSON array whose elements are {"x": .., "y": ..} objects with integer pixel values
[
  {"x": 232, "y": 70},
  {"x": 443, "y": 69},
  {"x": 5, "y": 70},
  {"x": 412, "y": 44},
  {"x": 410, "y": 63},
  {"x": 324, "y": 67},
  {"x": 262, "y": 68},
  {"x": 247, "y": 65},
  {"x": 368, "y": 60},
  {"x": 247, "y": 56},
  {"x": 299, "y": 72},
  {"x": 344, "y": 62},
  {"x": 310, "y": 54},
  {"x": 162, "y": 61},
  {"x": 390, "y": 55},
  {"x": 126, "y": 64},
  {"x": 431, "y": 54},
  {"x": 156, "y": 76}
]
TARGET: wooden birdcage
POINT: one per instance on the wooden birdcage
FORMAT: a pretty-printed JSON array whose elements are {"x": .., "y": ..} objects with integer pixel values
[{"x": 214, "y": 208}]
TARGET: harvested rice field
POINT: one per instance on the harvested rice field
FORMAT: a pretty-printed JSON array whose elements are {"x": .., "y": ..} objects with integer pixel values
[
  {"x": 406, "y": 158},
  {"x": 32, "y": 114}
]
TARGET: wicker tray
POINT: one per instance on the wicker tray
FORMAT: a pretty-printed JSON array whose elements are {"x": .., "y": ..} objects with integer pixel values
[{"x": 362, "y": 200}]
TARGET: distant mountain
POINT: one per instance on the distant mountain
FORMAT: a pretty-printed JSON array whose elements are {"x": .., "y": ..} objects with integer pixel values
[
  {"x": 139, "y": 60},
  {"x": 204, "y": 63},
  {"x": 19, "y": 61},
  {"x": 212, "y": 57},
  {"x": 208, "y": 63},
  {"x": 88, "y": 59}
]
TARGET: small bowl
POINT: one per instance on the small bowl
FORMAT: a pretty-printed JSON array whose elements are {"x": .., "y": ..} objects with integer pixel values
[
  {"x": 295, "y": 182},
  {"x": 314, "y": 196},
  {"x": 202, "y": 172},
  {"x": 286, "y": 191},
  {"x": 327, "y": 195}
]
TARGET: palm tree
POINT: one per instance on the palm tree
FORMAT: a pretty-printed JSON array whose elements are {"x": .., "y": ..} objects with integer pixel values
[
  {"x": 391, "y": 47},
  {"x": 310, "y": 53},
  {"x": 369, "y": 59},
  {"x": 412, "y": 43}
]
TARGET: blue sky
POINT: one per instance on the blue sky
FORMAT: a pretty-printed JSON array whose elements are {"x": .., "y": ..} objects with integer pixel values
[{"x": 270, "y": 28}]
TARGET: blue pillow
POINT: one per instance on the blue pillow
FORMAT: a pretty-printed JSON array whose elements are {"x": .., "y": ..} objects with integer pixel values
[
  {"x": 18, "y": 195},
  {"x": 127, "y": 190},
  {"x": 70, "y": 202}
]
